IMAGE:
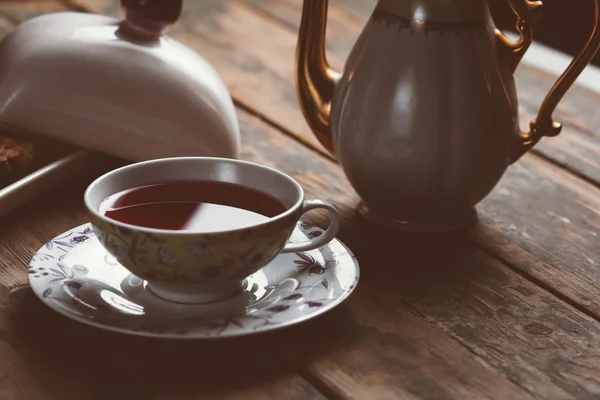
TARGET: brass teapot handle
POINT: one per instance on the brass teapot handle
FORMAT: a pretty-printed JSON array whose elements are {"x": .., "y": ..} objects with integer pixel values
[{"x": 527, "y": 12}]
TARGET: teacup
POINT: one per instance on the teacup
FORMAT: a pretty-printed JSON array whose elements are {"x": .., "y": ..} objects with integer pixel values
[{"x": 199, "y": 267}]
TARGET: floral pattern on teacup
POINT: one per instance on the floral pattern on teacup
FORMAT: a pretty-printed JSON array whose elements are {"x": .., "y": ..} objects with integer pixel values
[
  {"x": 195, "y": 257},
  {"x": 198, "y": 250}
]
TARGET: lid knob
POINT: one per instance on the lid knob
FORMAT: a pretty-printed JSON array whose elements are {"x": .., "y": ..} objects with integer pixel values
[{"x": 148, "y": 19}]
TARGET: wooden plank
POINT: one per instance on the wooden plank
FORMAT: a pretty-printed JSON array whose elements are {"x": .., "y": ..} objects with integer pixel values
[
  {"x": 546, "y": 223},
  {"x": 69, "y": 360},
  {"x": 5, "y": 25},
  {"x": 577, "y": 108},
  {"x": 401, "y": 335},
  {"x": 386, "y": 351},
  {"x": 554, "y": 62},
  {"x": 574, "y": 149},
  {"x": 16, "y": 380},
  {"x": 19, "y": 11}
]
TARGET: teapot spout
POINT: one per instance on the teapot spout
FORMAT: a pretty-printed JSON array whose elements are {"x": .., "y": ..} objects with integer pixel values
[{"x": 315, "y": 79}]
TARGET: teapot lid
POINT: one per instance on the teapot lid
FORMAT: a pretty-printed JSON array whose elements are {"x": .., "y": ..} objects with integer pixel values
[{"x": 148, "y": 19}]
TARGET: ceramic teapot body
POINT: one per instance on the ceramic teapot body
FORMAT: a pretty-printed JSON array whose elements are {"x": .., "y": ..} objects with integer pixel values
[{"x": 424, "y": 119}]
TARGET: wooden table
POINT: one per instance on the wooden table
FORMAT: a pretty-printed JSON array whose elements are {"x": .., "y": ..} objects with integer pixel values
[{"x": 508, "y": 310}]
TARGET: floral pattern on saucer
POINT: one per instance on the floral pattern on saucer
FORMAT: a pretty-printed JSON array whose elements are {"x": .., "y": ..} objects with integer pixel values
[{"x": 74, "y": 275}]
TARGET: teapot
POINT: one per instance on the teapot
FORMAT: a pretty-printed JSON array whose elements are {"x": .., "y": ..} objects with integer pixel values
[
  {"x": 116, "y": 86},
  {"x": 424, "y": 120}
]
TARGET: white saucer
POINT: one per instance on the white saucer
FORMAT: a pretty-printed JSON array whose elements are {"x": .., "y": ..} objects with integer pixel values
[{"x": 74, "y": 275}]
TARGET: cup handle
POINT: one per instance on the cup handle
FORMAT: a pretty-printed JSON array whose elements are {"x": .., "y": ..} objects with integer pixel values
[{"x": 326, "y": 237}]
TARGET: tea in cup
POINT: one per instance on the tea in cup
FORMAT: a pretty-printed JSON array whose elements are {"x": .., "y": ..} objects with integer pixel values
[{"x": 195, "y": 227}]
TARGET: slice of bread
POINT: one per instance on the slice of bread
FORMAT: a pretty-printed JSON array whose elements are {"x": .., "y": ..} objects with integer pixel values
[
  {"x": 21, "y": 154},
  {"x": 16, "y": 157},
  {"x": 15, "y": 153}
]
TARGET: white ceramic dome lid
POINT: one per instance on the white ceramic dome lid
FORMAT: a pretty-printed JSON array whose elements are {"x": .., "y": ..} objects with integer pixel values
[{"x": 119, "y": 87}]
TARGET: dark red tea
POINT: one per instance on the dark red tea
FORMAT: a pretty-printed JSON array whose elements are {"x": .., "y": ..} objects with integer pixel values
[{"x": 198, "y": 206}]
